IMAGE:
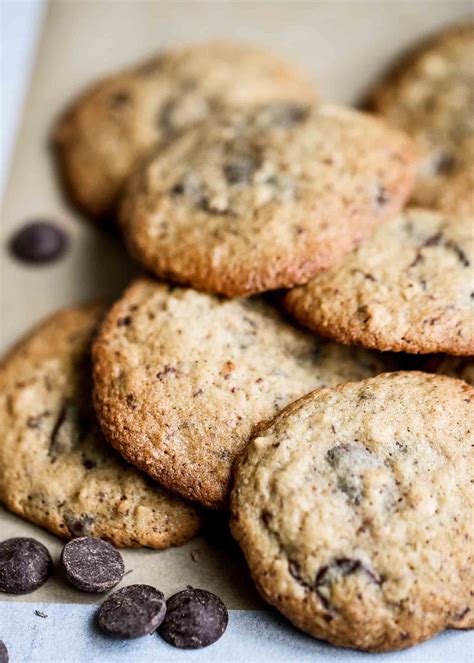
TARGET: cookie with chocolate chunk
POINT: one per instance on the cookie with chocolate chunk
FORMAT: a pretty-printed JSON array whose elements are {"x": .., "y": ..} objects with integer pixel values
[
  {"x": 181, "y": 379},
  {"x": 353, "y": 509},
  {"x": 431, "y": 96},
  {"x": 408, "y": 288},
  {"x": 56, "y": 469},
  {"x": 265, "y": 198},
  {"x": 113, "y": 125}
]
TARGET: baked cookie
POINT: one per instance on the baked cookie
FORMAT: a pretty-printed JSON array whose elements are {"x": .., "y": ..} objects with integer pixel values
[
  {"x": 431, "y": 96},
  {"x": 112, "y": 126},
  {"x": 408, "y": 288},
  {"x": 182, "y": 377},
  {"x": 265, "y": 198},
  {"x": 353, "y": 509},
  {"x": 56, "y": 469}
]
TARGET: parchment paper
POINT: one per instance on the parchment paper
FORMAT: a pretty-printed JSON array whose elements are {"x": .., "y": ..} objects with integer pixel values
[{"x": 344, "y": 46}]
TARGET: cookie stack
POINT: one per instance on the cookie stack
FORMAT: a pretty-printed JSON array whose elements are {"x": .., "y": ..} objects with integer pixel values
[{"x": 346, "y": 476}]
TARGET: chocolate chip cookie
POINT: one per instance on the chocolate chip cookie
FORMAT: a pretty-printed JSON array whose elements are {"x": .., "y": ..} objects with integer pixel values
[
  {"x": 265, "y": 198},
  {"x": 408, "y": 288},
  {"x": 431, "y": 96},
  {"x": 353, "y": 509},
  {"x": 181, "y": 379},
  {"x": 56, "y": 469},
  {"x": 113, "y": 125}
]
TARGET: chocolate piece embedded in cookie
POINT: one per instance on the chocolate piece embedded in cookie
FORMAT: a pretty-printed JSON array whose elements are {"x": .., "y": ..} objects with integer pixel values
[
  {"x": 265, "y": 197},
  {"x": 353, "y": 508}
]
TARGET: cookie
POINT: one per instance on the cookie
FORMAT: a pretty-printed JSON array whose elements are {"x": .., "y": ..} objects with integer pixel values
[
  {"x": 113, "y": 125},
  {"x": 408, "y": 288},
  {"x": 56, "y": 469},
  {"x": 182, "y": 377},
  {"x": 457, "y": 367},
  {"x": 353, "y": 509},
  {"x": 431, "y": 95},
  {"x": 265, "y": 198}
]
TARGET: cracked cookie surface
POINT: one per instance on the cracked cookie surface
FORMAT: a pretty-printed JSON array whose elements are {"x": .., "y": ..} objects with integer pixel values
[
  {"x": 115, "y": 123},
  {"x": 431, "y": 96},
  {"x": 353, "y": 509},
  {"x": 264, "y": 198},
  {"x": 56, "y": 468},
  {"x": 407, "y": 288},
  {"x": 181, "y": 378}
]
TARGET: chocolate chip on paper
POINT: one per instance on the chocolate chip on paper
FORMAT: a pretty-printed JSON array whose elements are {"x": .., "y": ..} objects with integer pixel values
[
  {"x": 91, "y": 564},
  {"x": 194, "y": 618},
  {"x": 25, "y": 564},
  {"x": 132, "y": 612}
]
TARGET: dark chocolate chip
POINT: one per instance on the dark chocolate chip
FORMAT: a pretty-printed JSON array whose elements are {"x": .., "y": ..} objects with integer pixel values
[
  {"x": 119, "y": 99},
  {"x": 339, "y": 568},
  {"x": 39, "y": 242},
  {"x": 284, "y": 115},
  {"x": 3, "y": 652},
  {"x": 382, "y": 196},
  {"x": 444, "y": 163},
  {"x": 91, "y": 564},
  {"x": 69, "y": 430},
  {"x": 25, "y": 564},
  {"x": 240, "y": 170},
  {"x": 79, "y": 526},
  {"x": 132, "y": 611},
  {"x": 194, "y": 618}
]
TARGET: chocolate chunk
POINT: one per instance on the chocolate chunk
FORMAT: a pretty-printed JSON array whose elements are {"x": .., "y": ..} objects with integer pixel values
[
  {"x": 39, "y": 242},
  {"x": 332, "y": 573},
  {"x": 79, "y": 526},
  {"x": 240, "y": 170},
  {"x": 91, "y": 564},
  {"x": 132, "y": 611},
  {"x": 119, "y": 99},
  {"x": 460, "y": 255},
  {"x": 284, "y": 116},
  {"x": 25, "y": 564},
  {"x": 194, "y": 618},
  {"x": 443, "y": 163},
  {"x": 3, "y": 652},
  {"x": 69, "y": 430},
  {"x": 382, "y": 196}
]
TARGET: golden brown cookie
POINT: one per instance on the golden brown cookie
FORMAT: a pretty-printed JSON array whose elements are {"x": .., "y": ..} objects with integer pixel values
[
  {"x": 181, "y": 379},
  {"x": 354, "y": 510},
  {"x": 409, "y": 287},
  {"x": 431, "y": 96},
  {"x": 56, "y": 469},
  {"x": 113, "y": 125},
  {"x": 265, "y": 198}
]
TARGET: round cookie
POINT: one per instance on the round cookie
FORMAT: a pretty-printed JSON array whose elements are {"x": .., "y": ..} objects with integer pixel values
[
  {"x": 181, "y": 378},
  {"x": 56, "y": 469},
  {"x": 353, "y": 509},
  {"x": 407, "y": 288},
  {"x": 113, "y": 125},
  {"x": 431, "y": 96},
  {"x": 265, "y": 198}
]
